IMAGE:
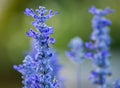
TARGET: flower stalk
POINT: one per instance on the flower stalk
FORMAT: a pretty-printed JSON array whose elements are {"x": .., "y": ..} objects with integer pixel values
[
  {"x": 36, "y": 71},
  {"x": 76, "y": 55},
  {"x": 99, "y": 46}
]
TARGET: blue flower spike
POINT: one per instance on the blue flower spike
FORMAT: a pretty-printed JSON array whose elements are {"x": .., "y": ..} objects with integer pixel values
[
  {"x": 76, "y": 50},
  {"x": 36, "y": 69},
  {"x": 99, "y": 46},
  {"x": 76, "y": 55}
]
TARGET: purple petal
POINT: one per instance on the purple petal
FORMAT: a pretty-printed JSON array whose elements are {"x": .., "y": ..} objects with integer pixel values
[
  {"x": 89, "y": 55},
  {"x": 52, "y": 40},
  {"x": 108, "y": 11},
  {"x": 89, "y": 45},
  {"x": 33, "y": 34},
  {"x": 92, "y": 10},
  {"x": 50, "y": 30},
  {"x": 29, "y": 12}
]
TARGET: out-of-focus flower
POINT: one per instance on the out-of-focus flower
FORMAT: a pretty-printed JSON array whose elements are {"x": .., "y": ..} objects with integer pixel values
[
  {"x": 76, "y": 54},
  {"x": 76, "y": 50},
  {"x": 98, "y": 47}
]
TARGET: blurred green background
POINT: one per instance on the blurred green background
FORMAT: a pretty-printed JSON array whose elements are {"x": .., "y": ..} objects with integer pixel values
[{"x": 73, "y": 20}]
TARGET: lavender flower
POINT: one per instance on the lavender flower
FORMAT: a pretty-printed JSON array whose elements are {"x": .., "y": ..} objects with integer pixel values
[
  {"x": 76, "y": 54},
  {"x": 98, "y": 47},
  {"x": 36, "y": 71},
  {"x": 54, "y": 62},
  {"x": 117, "y": 84},
  {"x": 76, "y": 50}
]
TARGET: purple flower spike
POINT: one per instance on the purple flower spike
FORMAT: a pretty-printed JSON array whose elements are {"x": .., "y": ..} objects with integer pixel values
[
  {"x": 76, "y": 54},
  {"x": 76, "y": 50},
  {"x": 36, "y": 69},
  {"x": 98, "y": 47}
]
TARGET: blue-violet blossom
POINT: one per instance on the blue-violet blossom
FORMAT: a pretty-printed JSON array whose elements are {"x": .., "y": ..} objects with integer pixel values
[
  {"x": 54, "y": 62},
  {"x": 76, "y": 54},
  {"x": 76, "y": 50},
  {"x": 98, "y": 47},
  {"x": 36, "y": 71}
]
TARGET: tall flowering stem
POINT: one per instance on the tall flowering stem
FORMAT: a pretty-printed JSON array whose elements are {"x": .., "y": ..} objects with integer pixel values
[
  {"x": 57, "y": 67},
  {"x": 76, "y": 54},
  {"x": 98, "y": 47},
  {"x": 36, "y": 71}
]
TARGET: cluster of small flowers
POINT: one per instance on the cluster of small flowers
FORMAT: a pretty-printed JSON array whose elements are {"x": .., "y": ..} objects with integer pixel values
[
  {"x": 36, "y": 70},
  {"x": 76, "y": 50},
  {"x": 98, "y": 48},
  {"x": 40, "y": 68}
]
